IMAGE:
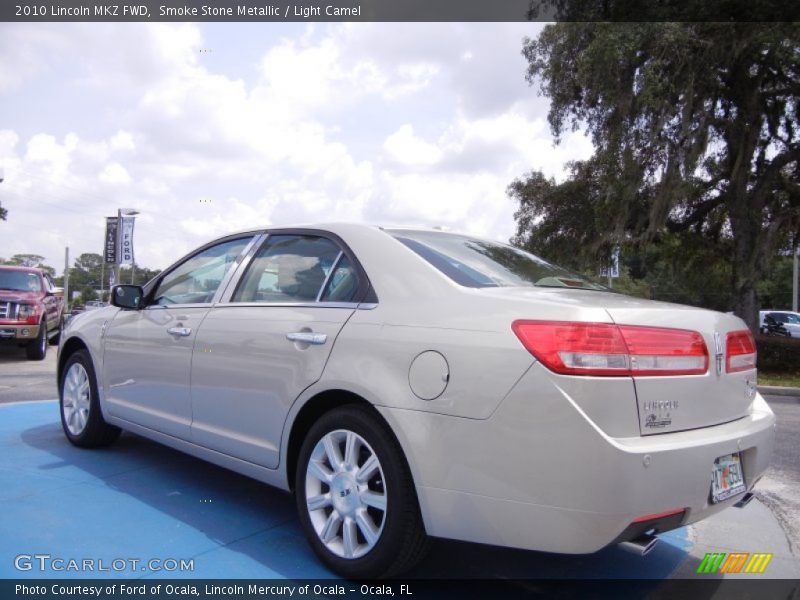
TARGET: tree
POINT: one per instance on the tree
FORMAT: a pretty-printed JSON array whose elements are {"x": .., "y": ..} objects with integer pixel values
[
  {"x": 695, "y": 130},
  {"x": 86, "y": 271},
  {"x": 29, "y": 260}
]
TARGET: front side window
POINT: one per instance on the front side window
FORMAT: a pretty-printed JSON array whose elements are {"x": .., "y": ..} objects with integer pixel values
[
  {"x": 288, "y": 269},
  {"x": 478, "y": 263},
  {"x": 195, "y": 281}
]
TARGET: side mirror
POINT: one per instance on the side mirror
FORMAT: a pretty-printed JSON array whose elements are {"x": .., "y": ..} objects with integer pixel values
[{"x": 127, "y": 296}]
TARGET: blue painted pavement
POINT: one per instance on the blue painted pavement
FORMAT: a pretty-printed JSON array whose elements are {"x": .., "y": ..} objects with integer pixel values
[{"x": 140, "y": 500}]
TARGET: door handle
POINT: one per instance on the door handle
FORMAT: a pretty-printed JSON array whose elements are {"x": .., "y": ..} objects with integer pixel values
[
  {"x": 181, "y": 331},
  {"x": 308, "y": 337}
]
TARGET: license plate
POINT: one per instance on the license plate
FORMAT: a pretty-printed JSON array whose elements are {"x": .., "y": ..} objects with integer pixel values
[{"x": 727, "y": 478}]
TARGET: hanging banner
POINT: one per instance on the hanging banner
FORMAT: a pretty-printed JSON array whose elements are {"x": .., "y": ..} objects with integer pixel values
[
  {"x": 126, "y": 241},
  {"x": 110, "y": 248}
]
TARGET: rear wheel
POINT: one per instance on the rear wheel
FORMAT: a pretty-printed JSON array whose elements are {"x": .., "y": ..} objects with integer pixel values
[
  {"x": 37, "y": 349},
  {"x": 356, "y": 498},
  {"x": 81, "y": 417}
]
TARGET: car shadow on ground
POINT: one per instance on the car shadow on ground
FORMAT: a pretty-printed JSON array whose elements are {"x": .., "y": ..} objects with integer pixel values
[{"x": 141, "y": 497}]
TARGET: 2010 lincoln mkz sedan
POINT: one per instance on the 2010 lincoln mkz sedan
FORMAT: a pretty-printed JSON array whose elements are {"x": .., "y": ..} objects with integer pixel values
[{"x": 411, "y": 383}]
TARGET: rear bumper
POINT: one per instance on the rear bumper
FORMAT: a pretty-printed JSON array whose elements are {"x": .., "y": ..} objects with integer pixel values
[
  {"x": 540, "y": 475},
  {"x": 18, "y": 333}
]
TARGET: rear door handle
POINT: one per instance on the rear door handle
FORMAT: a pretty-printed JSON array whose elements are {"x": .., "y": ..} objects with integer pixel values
[
  {"x": 308, "y": 337},
  {"x": 181, "y": 331}
]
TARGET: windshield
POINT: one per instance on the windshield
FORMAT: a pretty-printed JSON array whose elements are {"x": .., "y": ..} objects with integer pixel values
[
  {"x": 786, "y": 318},
  {"x": 20, "y": 281},
  {"x": 480, "y": 263}
]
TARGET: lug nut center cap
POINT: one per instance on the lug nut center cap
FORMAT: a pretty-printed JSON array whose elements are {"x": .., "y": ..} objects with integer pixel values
[{"x": 344, "y": 492}]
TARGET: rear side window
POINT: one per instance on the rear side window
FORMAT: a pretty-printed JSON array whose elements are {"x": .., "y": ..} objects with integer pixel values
[
  {"x": 343, "y": 283},
  {"x": 478, "y": 263},
  {"x": 289, "y": 269}
]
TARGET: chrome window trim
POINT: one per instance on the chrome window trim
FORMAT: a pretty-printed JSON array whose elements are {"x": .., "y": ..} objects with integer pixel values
[
  {"x": 229, "y": 284},
  {"x": 225, "y": 280},
  {"x": 350, "y": 305},
  {"x": 330, "y": 274}
]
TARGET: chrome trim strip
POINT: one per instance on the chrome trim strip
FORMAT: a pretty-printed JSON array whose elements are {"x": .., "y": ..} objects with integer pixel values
[
  {"x": 351, "y": 305},
  {"x": 244, "y": 258},
  {"x": 329, "y": 275}
]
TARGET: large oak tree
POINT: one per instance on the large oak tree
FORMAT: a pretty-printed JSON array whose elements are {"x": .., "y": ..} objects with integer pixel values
[{"x": 695, "y": 128}]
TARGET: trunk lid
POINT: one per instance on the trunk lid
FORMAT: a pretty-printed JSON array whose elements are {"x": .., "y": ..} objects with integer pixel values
[
  {"x": 664, "y": 403},
  {"x": 676, "y": 403}
]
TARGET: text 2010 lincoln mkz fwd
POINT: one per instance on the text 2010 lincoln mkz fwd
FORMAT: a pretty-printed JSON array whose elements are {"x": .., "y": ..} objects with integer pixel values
[{"x": 411, "y": 383}]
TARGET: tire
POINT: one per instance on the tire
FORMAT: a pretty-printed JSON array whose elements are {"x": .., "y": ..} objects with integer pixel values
[
  {"x": 55, "y": 339},
  {"x": 81, "y": 417},
  {"x": 37, "y": 349},
  {"x": 363, "y": 539}
]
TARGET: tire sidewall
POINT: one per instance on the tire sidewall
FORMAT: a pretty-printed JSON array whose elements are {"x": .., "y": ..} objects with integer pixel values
[
  {"x": 395, "y": 473},
  {"x": 37, "y": 349}
]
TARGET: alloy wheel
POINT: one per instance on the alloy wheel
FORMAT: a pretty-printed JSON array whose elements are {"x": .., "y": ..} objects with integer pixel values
[
  {"x": 77, "y": 399},
  {"x": 346, "y": 494}
]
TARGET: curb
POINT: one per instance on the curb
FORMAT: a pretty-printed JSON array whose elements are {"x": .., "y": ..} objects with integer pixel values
[{"x": 774, "y": 390}]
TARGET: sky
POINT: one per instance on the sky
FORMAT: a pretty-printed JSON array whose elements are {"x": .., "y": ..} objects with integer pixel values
[{"x": 211, "y": 128}]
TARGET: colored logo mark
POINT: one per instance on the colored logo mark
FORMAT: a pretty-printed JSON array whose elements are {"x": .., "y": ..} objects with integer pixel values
[{"x": 735, "y": 562}]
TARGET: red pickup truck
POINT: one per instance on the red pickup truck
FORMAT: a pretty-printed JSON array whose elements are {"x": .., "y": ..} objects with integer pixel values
[{"x": 31, "y": 309}]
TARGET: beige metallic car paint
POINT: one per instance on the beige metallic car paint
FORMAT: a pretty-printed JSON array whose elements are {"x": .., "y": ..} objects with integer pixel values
[
  {"x": 146, "y": 372},
  {"x": 246, "y": 374}
]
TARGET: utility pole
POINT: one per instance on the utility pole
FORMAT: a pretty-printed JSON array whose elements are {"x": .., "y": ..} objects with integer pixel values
[
  {"x": 794, "y": 279},
  {"x": 66, "y": 277}
]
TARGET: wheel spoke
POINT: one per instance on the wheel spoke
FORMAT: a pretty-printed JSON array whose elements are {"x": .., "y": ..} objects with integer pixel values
[
  {"x": 332, "y": 452},
  {"x": 331, "y": 529},
  {"x": 368, "y": 530},
  {"x": 351, "y": 447},
  {"x": 81, "y": 419},
  {"x": 317, "y": 502},
  {"x": 349, "y": 537},
  {"x": 318, "y": 470},
  {"x": 367, "y": 469},
  {"x": 374, "y": 500}
]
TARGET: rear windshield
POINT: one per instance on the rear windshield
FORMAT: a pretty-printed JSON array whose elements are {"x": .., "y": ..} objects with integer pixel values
[{"x": 480, "y": 263}]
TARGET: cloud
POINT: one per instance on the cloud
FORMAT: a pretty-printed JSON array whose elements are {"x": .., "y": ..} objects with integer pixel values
[{"x": 404, "y": 123}]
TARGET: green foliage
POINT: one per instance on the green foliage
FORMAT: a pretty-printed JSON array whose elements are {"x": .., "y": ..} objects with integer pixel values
[
  {"x": 29, "y": 260},
  {"x": 778, "y": 354},
  {"x": 86, "y": 271},
  {"x": 775, "y": 289},
  {"x": 694, "y": 127}
]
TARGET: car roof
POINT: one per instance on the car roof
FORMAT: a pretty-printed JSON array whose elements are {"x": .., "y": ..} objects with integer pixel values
[{"x": 20, "y": 268}]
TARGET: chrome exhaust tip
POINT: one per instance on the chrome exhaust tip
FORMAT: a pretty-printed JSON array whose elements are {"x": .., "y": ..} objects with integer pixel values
[
  {"x": 641, "y": 545},
  {"x": 745, "y": 500}
]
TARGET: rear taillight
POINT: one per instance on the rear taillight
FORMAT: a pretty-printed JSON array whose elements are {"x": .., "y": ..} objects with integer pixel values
[
  {"x": 740, "y": 349},
  {"x": 606, "y": 349}
]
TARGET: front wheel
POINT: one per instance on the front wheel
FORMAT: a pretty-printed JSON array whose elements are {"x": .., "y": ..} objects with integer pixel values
[
  {"x": 356, "y": 498},
  {"x": 37, "y": 349},
  {"x": 81, "y": 416}
]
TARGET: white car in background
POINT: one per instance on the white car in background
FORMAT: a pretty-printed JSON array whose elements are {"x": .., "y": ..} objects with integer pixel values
[
  {"x": 790, "y": 320},
  {"x": 412, "y": 383}
]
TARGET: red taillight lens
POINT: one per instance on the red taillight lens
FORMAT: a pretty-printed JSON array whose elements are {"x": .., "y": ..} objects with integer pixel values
[
  {"x": 740, "y": 349},
  {"x": 605, "y": 349}
]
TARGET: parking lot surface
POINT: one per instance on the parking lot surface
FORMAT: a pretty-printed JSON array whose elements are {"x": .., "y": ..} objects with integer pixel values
[
  {"x": 139, "y": 500},
  {"x": 22, "y": 379}
]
